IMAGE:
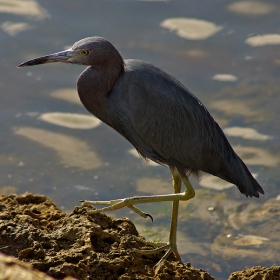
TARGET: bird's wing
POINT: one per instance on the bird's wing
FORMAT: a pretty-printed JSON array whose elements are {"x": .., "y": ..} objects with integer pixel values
[
  {"x": 164, "y": 121},
  {"x": 169, "y": 119}
]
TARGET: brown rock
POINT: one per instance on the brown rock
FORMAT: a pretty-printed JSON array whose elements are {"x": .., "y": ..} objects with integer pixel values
[
  {"x": 257, "y": 273},
  {"x": 96, "y": 247}
]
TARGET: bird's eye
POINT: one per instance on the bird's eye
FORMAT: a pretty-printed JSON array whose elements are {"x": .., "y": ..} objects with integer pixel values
[{"x": 84, "y": 52}]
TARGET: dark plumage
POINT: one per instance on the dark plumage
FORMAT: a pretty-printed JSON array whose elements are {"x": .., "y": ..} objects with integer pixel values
[
  {"x": 154, "y": 112},
  {"x": 158, "y": 116}
]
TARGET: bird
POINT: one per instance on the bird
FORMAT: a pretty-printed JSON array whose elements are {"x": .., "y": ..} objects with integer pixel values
[{"x": 161, "y": 118}]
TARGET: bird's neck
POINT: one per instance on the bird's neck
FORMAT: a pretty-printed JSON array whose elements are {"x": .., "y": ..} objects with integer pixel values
[{"x": 95, "y": 83}]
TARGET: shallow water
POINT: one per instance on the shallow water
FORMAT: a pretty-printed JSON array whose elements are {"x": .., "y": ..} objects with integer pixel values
[{"x": 220, "y": 50}]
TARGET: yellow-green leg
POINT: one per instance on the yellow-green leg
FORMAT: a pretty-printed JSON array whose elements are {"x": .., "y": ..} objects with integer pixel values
[
  {"x": 171, "y": 246},
  {"x": 177, "y": 183},
  {"x": 129, "y": 202}
]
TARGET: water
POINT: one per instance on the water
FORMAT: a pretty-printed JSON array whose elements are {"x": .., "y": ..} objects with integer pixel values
[{"x": 68, "y": 164}]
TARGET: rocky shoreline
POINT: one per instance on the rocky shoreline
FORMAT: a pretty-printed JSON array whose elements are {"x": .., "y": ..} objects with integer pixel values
[{"x": 39, "y": 241}]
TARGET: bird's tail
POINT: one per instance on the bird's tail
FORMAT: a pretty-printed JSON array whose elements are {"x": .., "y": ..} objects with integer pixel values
[
  {"x": 250, "y": 186},
  {"x": 239, "y": 175}
]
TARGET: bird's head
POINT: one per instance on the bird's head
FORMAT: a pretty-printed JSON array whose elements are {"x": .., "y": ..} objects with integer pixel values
[{"x": 91, "y": 51}]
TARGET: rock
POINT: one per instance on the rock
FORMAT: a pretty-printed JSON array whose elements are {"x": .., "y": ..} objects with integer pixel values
[
  {"x": 13, "y": 269},
  {"x": 83, "y": 246},
  {"x": 257, "y": 273}
]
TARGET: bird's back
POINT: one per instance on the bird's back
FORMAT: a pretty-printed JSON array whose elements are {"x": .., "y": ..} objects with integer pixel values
[{"x": 164, "y": 121}]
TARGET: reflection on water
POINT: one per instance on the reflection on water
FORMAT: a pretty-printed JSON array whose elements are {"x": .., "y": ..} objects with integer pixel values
[
  {"x": 67, "y": 94},
  {"x": 235, "y": 107},
  {"x": 225, "y": 78},
  {"x": 70, "y": 120},
  {"x": 248, "y": 240},
  {"x": 191, "y": 28},
  {"x": 263, "y": 40},
  {"x": 246, "y": 133},
  {"x": 225, "y": 53},
  {"x": 13, "y": 28},
  {"x": 246, "y": 234},
  {"x": 251, "y": 8},
  {"x": 70, "y": 150},
  {"x": 214, "y": 183},
  {"x": 28, "y": 8},
  {"x": 257, "y": 156}
]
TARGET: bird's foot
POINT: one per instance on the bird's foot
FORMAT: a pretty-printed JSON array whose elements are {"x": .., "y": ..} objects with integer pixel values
[
  {"x": 114, "y": 205},
  {"x": 160, "y": 246},
  {"x": 131, "y": 201}
]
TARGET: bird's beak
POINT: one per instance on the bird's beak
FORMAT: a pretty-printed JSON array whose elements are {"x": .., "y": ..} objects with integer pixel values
[{"x": 63, "y": 56}]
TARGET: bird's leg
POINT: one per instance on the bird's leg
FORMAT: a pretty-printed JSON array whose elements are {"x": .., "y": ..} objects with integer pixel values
[
  {"x": 131, "y": 201},
  {"x": 171, "y": 246},
  {"x": 177, "y": 183}
]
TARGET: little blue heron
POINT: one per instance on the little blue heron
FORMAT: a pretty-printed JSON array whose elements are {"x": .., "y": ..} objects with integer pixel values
[{"x": 162, "y": 119}]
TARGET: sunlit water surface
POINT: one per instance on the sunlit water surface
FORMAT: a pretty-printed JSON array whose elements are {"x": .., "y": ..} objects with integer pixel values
[{"x": 226, "y": 52}]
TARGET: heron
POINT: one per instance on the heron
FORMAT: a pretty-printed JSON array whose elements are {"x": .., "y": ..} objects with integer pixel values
[{"x": 161, "y": 118}]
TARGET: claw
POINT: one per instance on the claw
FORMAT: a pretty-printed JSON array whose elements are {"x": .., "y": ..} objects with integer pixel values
[{"x": 150, "y": 216}]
